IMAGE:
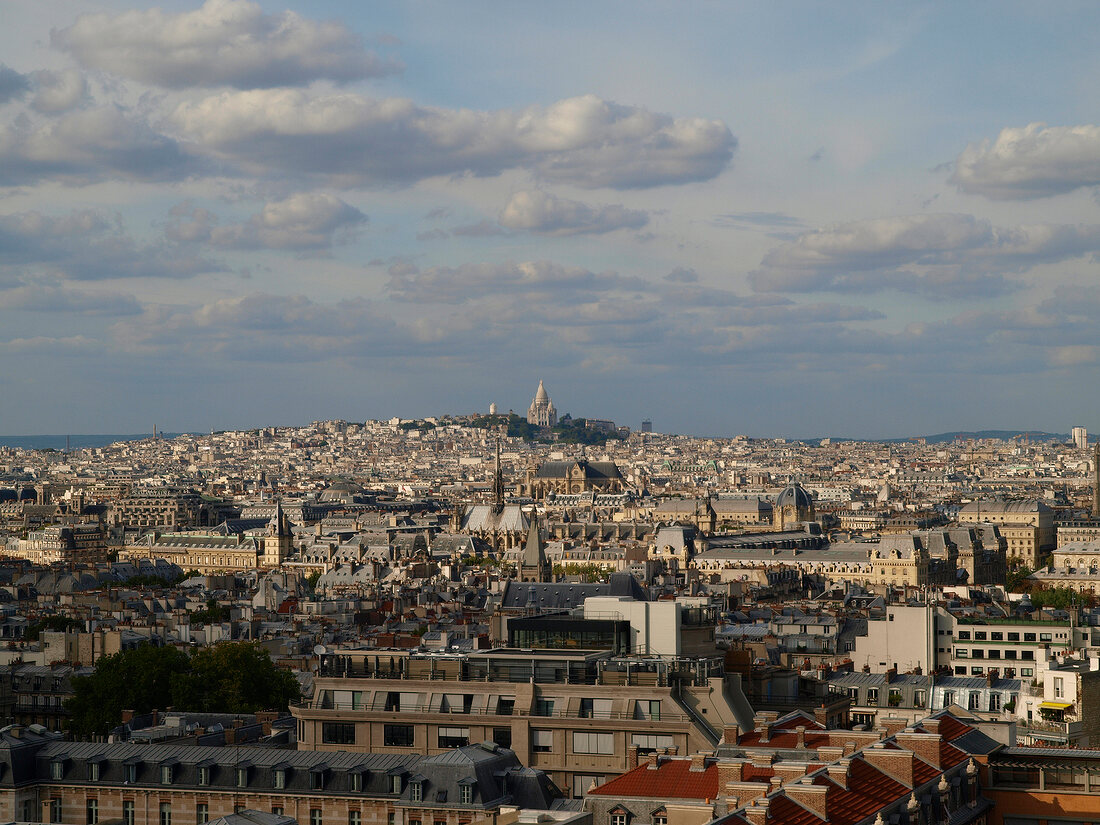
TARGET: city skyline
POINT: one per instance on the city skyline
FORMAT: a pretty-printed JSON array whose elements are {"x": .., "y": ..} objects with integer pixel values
[{"x": 786, "y": 221}]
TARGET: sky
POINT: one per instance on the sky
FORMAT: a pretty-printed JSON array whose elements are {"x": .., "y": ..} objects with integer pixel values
[{"x": 778, "y": 219}]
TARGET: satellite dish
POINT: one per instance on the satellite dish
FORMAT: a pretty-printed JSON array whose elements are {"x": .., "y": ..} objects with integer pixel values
[{"x": 320, "y": 650}]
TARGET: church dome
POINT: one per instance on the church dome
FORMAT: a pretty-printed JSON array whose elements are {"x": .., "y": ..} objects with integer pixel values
[
  {"x": 541, "y": 397},
  {"x": 795, "y": 496}
]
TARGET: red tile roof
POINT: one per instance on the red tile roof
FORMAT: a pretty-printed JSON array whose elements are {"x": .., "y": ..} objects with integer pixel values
[
  {"x": 674, "y": 779},
  {"x": 869, "y": 789},
  {"x": 788, "y": 812}
]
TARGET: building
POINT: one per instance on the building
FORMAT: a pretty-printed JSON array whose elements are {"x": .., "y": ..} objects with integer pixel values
[
  {"x": 792, "y": 507},
  {"x": 542, "y": 413},
  {"x": 552, "y": 478},
  {"x": 1027, "y": 526},
  {"x": 1080, "y": 438},
  {"x": 46, "y": 779},
  {"x": 574, "y": 714}
]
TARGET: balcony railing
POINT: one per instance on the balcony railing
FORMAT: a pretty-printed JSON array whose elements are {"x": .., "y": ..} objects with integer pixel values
[
  {"x": 393, "y": 713},
  {"x": 1039, "y": 728}
]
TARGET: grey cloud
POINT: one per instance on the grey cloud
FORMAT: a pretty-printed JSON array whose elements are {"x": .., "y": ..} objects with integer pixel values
[
  {"x": 939, "y": 255},
  {"x": 303, "y": 221},
  {"x": 13, "y": 85},
  {"x": 64, "y": 298},
  {"x": 88, "y": 245},
  {"x": 682, "y": 275},
  {"x": 481, "y": 229},
  {"x": 773, "y": 224},
  {"x": 222, "y": 43},
  {"x": 1034, "y": 161},
  {"x": 87, "y": 146},
  {"x": 539, "y": 211},
  {"x": 56, "y": 92},
  {"x": 349, "y": 140},
  {"x": 432, "y": 235},
  {"x": 453, "y": 285}
]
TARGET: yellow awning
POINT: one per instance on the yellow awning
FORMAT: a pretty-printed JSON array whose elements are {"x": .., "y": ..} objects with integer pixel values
[{"x": 1055, "y": 705}]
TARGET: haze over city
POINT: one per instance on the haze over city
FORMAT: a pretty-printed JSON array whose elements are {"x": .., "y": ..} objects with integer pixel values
[{"x": 774, "y": 219}]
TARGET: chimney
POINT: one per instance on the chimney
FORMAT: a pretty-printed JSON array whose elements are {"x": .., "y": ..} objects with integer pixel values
[
  {"x": 849, "y": 748},
  {"x": 653, "y": 761},
  {"x": 896, "y": 764},
  {"x": 730, "y": 734},
  {"x": 698, "y": 762},
  {"x": 632, "y": 756},
  {"x": 821, "y": 716},
  {"x": 757, "y": 813},
  {"x": 809, "y": 795},
  {"x": 838, "y": 771},
  {"x": 731, "y": 770},
  {"x": 931, "y": 725},
  {"x": 800, "y": 732},
  {"x": 830, "y": 753},
  {"x": 891, "y": 675},
  {"x": 924, "y": 745},
  {"x": 127, "y": 715}
]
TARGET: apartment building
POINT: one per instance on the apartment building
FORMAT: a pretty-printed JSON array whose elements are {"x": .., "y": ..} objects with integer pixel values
[
  {"x": 1014, "y": 647},
  {"x": 1027, "y": 526},
  {"x": 573, "y": 714}
]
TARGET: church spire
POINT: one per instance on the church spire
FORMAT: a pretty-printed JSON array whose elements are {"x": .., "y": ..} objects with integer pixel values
[{"x": 498, "y": 484}]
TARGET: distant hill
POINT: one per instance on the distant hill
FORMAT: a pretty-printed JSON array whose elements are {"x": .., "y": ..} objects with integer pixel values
[{"x": 1004, "y": 435}]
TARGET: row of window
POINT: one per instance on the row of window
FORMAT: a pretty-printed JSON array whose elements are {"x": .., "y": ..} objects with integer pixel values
[
  {"x": 982, "y": 653},
  {"x": 168, "y": 775},
  {"x": 202, "y": 813},
  {"x": 1010, "y": 636},
  {"x": 961, "y": 670}
]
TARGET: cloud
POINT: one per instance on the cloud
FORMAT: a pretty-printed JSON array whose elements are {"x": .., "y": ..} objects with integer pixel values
[
  {"x": 1035, "y": 161},
  {"x": 682, "y": 275},
  {"x": 454, "y": 285},
  {"x": 64, "y": 298},
  {"x": 773, "y": 224},
  {"x": 13, "y": 85},
  {"x": 87, "y": 146},
  {"x": 481, "y": 229},
  {"x": 349, "y": 140},
  {"x": 88, "y": 245},
  {"x": 222, "y": 43},
  {"x": 541, "y": 212},
  {"x": 303, "y": 221},
  {"x": 56, "y": 92},
  {"x": 939, "y": 255}
]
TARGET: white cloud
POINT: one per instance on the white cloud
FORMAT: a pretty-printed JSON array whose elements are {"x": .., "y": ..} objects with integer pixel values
[
  {"x": 306, "y": 220},
  {"x": 1035, "y": 161},
  {"x": 223, "y": 43},
  {"x": 88, "y": 146},
  {"x": 351, "y": 140},
  {"x": 940, "y": 255},
  {"x": 56, "y": 92},
  {"x": 542, "y": 212},
  {"x": 64, "y": 298}
]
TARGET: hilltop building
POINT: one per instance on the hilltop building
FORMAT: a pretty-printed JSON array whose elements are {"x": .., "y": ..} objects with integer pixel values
[{"x": 542, "y": 412}]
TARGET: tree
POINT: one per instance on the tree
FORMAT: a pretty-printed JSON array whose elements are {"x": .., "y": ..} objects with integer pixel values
[
  {"x": 234, "y": 677},
  {"x": 139, "y": 680},
  {"x": 1018, "y": 579},
  {"x": 50, "y": 623}
]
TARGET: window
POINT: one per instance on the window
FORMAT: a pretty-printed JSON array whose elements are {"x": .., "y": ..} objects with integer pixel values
[
  {"x": 543, "y": 707},
  {"x": 979, "y": 635},
  {"x": 506, "y": 705},
  {"x": 618, "y": 819},
  {"x": 357, "y": 782},
  {"x": 128, "y": 812},
  {"x": 977, "y": 671},
  {"x": 277, "y": 810},
  {"x": 1059, "y": 687},
  {"x": 202, "y": 813},
  {"x": 650, "y": 742},
  {"x": 165, "y": 774},
  {"x": 91, "y": 809},
  {"x": 1010, "y": 654},
  {"x": 55, "y": 810},
  {"x": 242, "y": 777},
  {"x": 57, "y": 769},
  {"x": 400, "y": 736},
  {"x": 948, "y": 697},
  {"x": 647, "y": 709},
  {"x": 93, "y": 771},
  {"x": 204, "y": 775},
  {"x": 595, "y": 709},
  {"x": 337, "y": 733},
  {"x": 416, "y": 791},
  {"x": 1029, "y": 637},
  {"x": 996, "y": 636},
  {"x": 994, "y": 701},
  {"x": 586, "y": 742},
  {"x": 503, "y": 737},
  {"x": 131, "y": 773},
  {"x": 279, "y": 779},
  {"x": 962, "y": 653},
  {"x": 1013, "y": 637},
  {"x": 1027, "y": 671},
  {"x": 454, "y": 737},
  {"x": 467, "y": 791},
  {"x": 542, "y": 741},
  {"x": 974, "y": 700},
  {"x": 1045, "y": 637},
  {"x": 165, "y": 813},
  {"x": 872, "y": 696},
  {"x": 395, "y": 784},
  {"x": 918, "y": 698},
  {"x": 354, "y": 818},
  {"x": 964, "y": 634},
  {"x": 977, "y": 653},
  {"x": 314, "y": 816},
  {"x": 660, "y": 819},
  {"x": 317, "y": 780},
  {"x": 456, "y": 703}
]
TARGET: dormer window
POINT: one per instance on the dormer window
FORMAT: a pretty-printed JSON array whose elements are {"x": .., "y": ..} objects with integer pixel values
[
  {"x": 57, "y": 769},
  {"x": 131, "y": 772},
  {"x": 416, "y": 791},
  {"x": 166, "y": 774},
  {"x": 93, "y": 771},
  {"x": 204, "y": 775},
  {"x": 242, "y": 776},
  {"x": 279, "y": 778},
  {"x": 317, "y": 778}
]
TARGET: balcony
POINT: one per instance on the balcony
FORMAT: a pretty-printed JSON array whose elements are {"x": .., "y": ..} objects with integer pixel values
[{"x": 1038, "y": 730}]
